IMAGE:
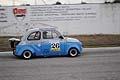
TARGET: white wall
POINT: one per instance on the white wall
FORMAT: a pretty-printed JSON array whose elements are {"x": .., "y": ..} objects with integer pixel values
[{"x": 69, "y": 19}]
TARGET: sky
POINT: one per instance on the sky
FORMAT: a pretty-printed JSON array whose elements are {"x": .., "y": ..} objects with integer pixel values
[{"x": 41, "y": 2}]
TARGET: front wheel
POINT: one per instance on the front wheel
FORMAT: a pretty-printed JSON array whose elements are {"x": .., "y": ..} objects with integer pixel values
[
  {"x": 73, "y": 52},
  {"x": 27, "y": 54}
]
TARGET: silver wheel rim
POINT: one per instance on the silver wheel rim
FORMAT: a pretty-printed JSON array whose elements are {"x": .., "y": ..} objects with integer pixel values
[
  {"x": 73, "y": 52},
  {"x": 27, "y": 54}
]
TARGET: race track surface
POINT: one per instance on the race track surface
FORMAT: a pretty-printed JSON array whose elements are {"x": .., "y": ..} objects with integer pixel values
[{"x": 94, "y": 64}]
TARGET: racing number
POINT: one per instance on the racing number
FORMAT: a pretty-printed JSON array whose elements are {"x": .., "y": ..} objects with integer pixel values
[{"x": 55, "y": 46}]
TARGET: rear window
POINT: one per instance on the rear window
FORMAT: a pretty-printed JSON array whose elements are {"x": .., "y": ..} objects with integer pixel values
[{"x": 34, "y": 36}]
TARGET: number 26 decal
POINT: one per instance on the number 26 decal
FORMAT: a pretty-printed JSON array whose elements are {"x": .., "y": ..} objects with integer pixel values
[{"x": 55, "y": 46}]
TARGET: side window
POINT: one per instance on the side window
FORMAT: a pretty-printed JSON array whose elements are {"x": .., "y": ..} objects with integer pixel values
[
  {"x": 47, "y": 35},
  {"x": 34, "y": 36},
  {"x": 55, "y": 35}
]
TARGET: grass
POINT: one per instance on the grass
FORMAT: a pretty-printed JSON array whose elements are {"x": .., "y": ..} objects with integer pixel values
[{"x": 98, "y": 40}]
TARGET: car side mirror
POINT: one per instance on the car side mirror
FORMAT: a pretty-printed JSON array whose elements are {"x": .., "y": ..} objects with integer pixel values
[{"x": 61, "y": 37}]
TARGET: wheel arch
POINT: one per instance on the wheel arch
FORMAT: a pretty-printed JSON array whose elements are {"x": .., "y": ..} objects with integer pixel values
[
  {"x": 20, "y": 50},
  {"x": 73, "y": 48}
]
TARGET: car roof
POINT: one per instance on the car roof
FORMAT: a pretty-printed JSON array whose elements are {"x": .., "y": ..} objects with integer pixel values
[
  {"x": 43, "y": 29},
  {"x": 38, "y": 29}
]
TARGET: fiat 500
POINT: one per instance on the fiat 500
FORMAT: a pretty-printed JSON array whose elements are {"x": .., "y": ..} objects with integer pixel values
[{"x": 45, "y": 42}]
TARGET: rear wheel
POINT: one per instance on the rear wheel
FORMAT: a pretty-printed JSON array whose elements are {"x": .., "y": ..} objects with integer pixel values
[
  {"x": 27, "y": 54},
  {"x": 73, "y": 52}
]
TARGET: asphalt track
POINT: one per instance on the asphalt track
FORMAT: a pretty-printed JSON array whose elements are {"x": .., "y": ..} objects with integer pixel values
[{"x": 94, "y": 64}]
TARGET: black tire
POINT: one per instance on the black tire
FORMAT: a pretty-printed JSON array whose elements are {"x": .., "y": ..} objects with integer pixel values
[
  {"x": 73, "y": 52},
  {"x": 27, "y": 54},
  {"x": 14, "y": 52}
]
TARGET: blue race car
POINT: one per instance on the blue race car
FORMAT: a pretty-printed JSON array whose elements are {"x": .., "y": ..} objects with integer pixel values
[{"x": 45, "y": 42}]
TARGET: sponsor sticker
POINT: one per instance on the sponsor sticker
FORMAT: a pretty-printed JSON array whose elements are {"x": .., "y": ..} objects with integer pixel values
[{"x": 19, "y": 13}]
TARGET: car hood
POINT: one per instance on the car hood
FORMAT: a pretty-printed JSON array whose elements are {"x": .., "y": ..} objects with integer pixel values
[{"x": 71, "y": 39}]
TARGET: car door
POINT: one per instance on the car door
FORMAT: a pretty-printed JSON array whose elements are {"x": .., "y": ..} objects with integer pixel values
[
  {"x": 34, "y": 41},
  {"x": 51, "y": 44}
]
